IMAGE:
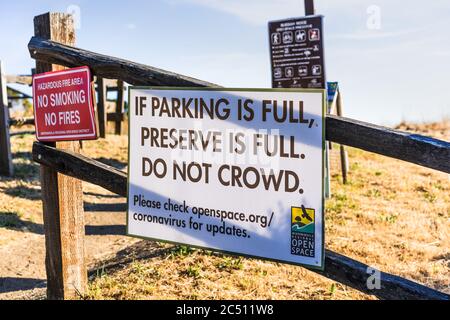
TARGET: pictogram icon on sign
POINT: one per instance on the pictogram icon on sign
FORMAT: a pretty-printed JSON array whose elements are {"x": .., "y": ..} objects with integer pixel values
[
  {"x": 276, "y": 38},
  {"x": 289, "y": 72},
  {"x": 300, "y": 35},
  {"x": 314, "y": 35},
  {"x": 288, "y": 37},
  {"x": 303, "y": 71}
]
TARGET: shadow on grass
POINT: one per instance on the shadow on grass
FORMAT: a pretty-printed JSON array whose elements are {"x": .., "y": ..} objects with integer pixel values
[
  {"x": 9, "y": 284},
  {"x": 30, "y": 193},
  {"x": 142, "y": 250},
  {"x": 22, "y": 155},
  {"x": 26, "y": 171},
  {"x": 23, "y": 171},
  {"x": 105, "y": 207},
  {"x": 111, "y": 230},
  {"x": 24, "y": 192},
  {"x": 13, "y": 221}
]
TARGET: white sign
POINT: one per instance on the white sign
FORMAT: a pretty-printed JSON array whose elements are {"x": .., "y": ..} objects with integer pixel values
[{"x": 231, "y": 170}]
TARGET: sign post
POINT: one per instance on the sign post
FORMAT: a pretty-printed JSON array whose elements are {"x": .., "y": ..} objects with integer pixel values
[
  {"x": 101, "y": 107},
  {"x": 335, "y": 103},
  {"x": 205, "y": 170},
  {"x": 343, "y": 152},
  {"x": 120, "y": 101},
  {"x": 309, "y": 8}
]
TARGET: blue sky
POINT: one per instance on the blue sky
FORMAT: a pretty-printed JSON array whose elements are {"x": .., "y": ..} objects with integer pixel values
[{"x": 391, "y": 57}]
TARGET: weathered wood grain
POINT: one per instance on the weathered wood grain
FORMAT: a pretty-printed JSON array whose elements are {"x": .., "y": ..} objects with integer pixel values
[
  {"x": 414, "y": 148},
  {"x": 337, "y": 267},
  {"x": 108, "y": 67},
  {"x": 62, "y": 195}
]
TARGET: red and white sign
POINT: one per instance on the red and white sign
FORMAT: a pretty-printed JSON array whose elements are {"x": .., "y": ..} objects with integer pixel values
[{"x": 63, "y": 105}]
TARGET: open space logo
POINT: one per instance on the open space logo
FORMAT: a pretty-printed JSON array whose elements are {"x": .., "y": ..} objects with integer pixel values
[{"x": 302, "y": 231}]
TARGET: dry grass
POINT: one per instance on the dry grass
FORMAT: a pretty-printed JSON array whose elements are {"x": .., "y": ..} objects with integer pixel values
[
  {"x": 181, "y": 273},
  {"x": 391, "y": 215},
  {"x": 20, "y": 205}
]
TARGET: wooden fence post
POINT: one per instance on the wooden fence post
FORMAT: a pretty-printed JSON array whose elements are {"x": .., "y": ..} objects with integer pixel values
[
  {"x": 101, "y": 107},
  {"x": 119, "y": 107},
  {"x": 62, "y": 196},
  {"x": 6, "y": 166}
]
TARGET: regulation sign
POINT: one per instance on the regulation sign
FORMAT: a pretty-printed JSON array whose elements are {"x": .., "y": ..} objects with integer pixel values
[
  {"x": 296, "y": 51},
  {"x": 63, "y": 105},
  {"x": 332, "y": 89},
  {"x": 233, "y": 170}
]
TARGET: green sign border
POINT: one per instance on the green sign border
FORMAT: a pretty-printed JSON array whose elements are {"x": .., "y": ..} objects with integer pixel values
[{"x": 300, "y": 90}]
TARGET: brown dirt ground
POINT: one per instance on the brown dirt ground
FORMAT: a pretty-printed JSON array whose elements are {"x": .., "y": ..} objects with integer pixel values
[{"x": 392, "y": 215}]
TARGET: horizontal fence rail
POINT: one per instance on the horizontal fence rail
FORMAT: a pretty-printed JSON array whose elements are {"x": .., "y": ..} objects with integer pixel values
[
  {"x": 21, "y": 122},
  {"x": 78, "y": 166},
  {"x": 337, "y": 267},
  {"x": 114, "y": 117},
  {"x": 19, "y": 79},
  {"x": 425, "y": 151},
  {"x": 417, "y": 149},
  {"x": 108, "y": 67}
]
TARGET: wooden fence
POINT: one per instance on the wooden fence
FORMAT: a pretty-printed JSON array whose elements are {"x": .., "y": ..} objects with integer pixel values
[
  {"x": 104, "y": 86},
  {"x": 62, "y": 169}
]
